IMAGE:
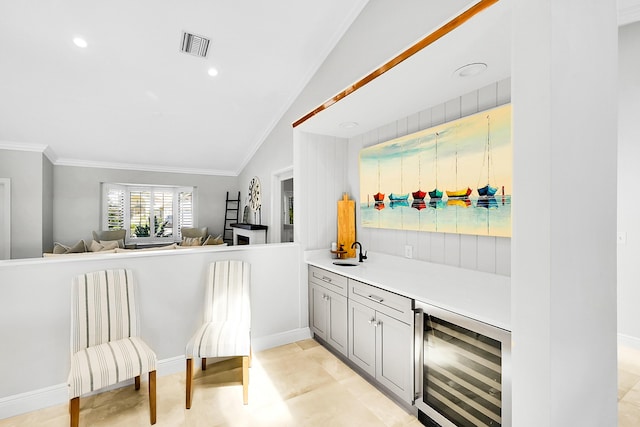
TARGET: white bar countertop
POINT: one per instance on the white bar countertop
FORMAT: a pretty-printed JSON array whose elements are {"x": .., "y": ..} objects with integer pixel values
[{"x": 481, "y": 296}]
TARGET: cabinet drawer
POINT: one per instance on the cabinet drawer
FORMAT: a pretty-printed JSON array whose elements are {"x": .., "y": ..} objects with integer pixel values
[
  {"x": 386, "y": 302},
  {"x": 329, "y": 280}
]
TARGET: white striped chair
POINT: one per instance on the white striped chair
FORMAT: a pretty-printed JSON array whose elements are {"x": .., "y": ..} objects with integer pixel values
[
  {"x": 226, "y": 331},
  {"x": 105, "y": 347}
]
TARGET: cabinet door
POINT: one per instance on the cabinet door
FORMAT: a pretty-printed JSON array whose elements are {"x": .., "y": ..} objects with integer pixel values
[
  {"x": 394, "y": 356},
  {"x": 318, "y": 310},
  {"x": 337, "y": 322},
  {"x": 362, "y": 337}
]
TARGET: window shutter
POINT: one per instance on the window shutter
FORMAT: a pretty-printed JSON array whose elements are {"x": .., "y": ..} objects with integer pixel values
[
  {"x": 185, "y": 210},
  {"x": 150, "y": 213},
  {"x": 115, "y": 208},
  {"x": 140, "y": 212},
  {"x": 163, "y": 213}
]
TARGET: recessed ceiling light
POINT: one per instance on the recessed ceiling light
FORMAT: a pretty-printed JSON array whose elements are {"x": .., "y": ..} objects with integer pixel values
[
  {"x": 80, "y": 42},
  {"x": 349, "y": 125},
  {"x": 470, "y": 70},
  {"x": 212, "y": 72}
]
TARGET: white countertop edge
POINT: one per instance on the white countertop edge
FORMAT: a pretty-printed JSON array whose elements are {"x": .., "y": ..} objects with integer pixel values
[{"x": 482, "y": 296}]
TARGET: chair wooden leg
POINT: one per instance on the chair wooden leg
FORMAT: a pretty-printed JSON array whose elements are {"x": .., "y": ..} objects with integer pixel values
[
  {"x": 74, "y": 411},
  {"x": 152, "y": 396},
  {"x": 204, "y": 363},
  {"x": 250, "y": 355},
  {"x": 189, "y": 375},
  {"x": 137, "y": 381},
  {"x": 245, "y": 379}
]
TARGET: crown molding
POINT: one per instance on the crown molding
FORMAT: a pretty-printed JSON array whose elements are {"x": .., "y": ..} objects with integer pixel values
[
  {"x": 51, "y": 155},
  {"x": 36, "y": 148},
  {"x": 23, "y": 146},
  {"x": 144, "y": 168}
]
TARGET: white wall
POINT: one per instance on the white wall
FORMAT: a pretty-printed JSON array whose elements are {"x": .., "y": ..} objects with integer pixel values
[
  {"x": 563, "y": 272},
  {"x": 24, "y": 168},
  {"x": 320, "y": 179},
  {"x": 35, "y": 310},
  {"x": 628, "y": 177}
]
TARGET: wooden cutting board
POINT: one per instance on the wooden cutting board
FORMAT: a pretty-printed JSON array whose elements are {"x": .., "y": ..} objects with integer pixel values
[{"x": 347, "y": 225}]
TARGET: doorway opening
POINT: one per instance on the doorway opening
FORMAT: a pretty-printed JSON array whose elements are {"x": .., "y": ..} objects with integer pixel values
[
  {"x": 286, "y": 234},
  {"x": 282, "y": 206}
]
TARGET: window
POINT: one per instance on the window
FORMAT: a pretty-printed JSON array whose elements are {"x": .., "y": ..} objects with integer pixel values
[{"x": 148, "y": 212}]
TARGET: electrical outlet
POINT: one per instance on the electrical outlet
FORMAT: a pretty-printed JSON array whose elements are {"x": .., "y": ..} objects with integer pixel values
[{"x": 408, "y": 251}]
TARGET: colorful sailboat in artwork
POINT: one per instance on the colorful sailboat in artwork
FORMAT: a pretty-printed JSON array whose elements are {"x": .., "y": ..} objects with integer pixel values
[
  {"x": 461, "y": 193},
  {"x": 398, "y": 197},
  {"x": 419, "y": 195},
  {"x": 435, "y": 193},
  {"x": 379, "y": 197},
  {"x": 487, "y": 190}
]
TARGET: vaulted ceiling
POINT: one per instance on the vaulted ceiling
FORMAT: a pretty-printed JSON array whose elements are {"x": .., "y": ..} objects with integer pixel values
[{"x": 131, "y": 99}]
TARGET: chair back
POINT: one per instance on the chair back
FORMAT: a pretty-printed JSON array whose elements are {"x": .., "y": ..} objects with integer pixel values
[
  {"x": 103, "y": 308},
  {"x": 228, "y": 294}
]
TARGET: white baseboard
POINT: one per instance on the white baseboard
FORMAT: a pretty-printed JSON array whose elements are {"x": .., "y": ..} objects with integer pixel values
[
  {"x": 32, "y": 400},
  {"x": 59, "y": 394},
  {"x": 281, "y": 338}
]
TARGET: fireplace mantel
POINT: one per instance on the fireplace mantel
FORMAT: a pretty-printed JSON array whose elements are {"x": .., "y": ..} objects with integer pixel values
[{"x": 250, "y": 234}]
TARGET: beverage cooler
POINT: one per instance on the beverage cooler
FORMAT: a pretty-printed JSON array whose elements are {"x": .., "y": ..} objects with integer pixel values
[{"x": 462, "y": 370}]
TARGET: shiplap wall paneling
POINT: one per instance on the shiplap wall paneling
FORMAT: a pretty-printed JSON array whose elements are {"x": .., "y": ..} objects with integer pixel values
[
  {"x": 324, "y": 176},
  {"x": 490, "y": 254}
]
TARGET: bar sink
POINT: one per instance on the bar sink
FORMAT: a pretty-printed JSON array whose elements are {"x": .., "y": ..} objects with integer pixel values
[{"x": 345, "y": 263}]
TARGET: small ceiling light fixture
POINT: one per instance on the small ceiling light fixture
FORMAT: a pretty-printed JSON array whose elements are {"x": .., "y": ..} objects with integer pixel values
[
  {"x": 349, "y": 125},
  {"x": 212, "y": 72},
  {"x": 470, "y": 70},
  {"x": 80, "y": 42}
]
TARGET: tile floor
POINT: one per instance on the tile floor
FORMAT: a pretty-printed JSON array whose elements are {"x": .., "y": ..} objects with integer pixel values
[
  {"x": 628, "y": 387},
  {"x": 299, "y": 384}
]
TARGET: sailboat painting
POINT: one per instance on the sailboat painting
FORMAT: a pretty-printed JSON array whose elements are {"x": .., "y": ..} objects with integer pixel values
[{"x": 468, "y": 164}]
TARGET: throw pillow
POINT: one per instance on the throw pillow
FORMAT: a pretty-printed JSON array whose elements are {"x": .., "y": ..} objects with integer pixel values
[
  {"x": 59, "y": 248},
  {"x": 213, "y": 240},
  {"x": 191, "y": 241},
  {"x": 119, "y": 243},
  {"x": 100, "y": 247},
  {"x": 77, "y": 248}
]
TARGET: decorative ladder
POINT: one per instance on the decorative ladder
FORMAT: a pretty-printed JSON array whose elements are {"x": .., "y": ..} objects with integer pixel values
[{"x": 232, "y": 209}]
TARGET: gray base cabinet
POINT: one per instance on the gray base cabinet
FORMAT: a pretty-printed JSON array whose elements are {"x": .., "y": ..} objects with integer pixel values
[
  {"x": 370, "y": 326},
  {"x": 328, "y": 308},
  {"x": 362, "y": 330},
  {"x": 382, "y": 337},
  {"x": 328, "y": 316}
]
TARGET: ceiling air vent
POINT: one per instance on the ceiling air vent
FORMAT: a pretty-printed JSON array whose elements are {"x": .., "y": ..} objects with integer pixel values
[{"x": 194, "y": 44}]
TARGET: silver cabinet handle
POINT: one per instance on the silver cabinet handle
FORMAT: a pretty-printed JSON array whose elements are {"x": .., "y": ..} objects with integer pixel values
[
  {"x": 325, "y": 297},
  {"x": 375, "y": 298},
  {"x": 372, "y": 321},
  {"x": 326, "y": 279}
]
